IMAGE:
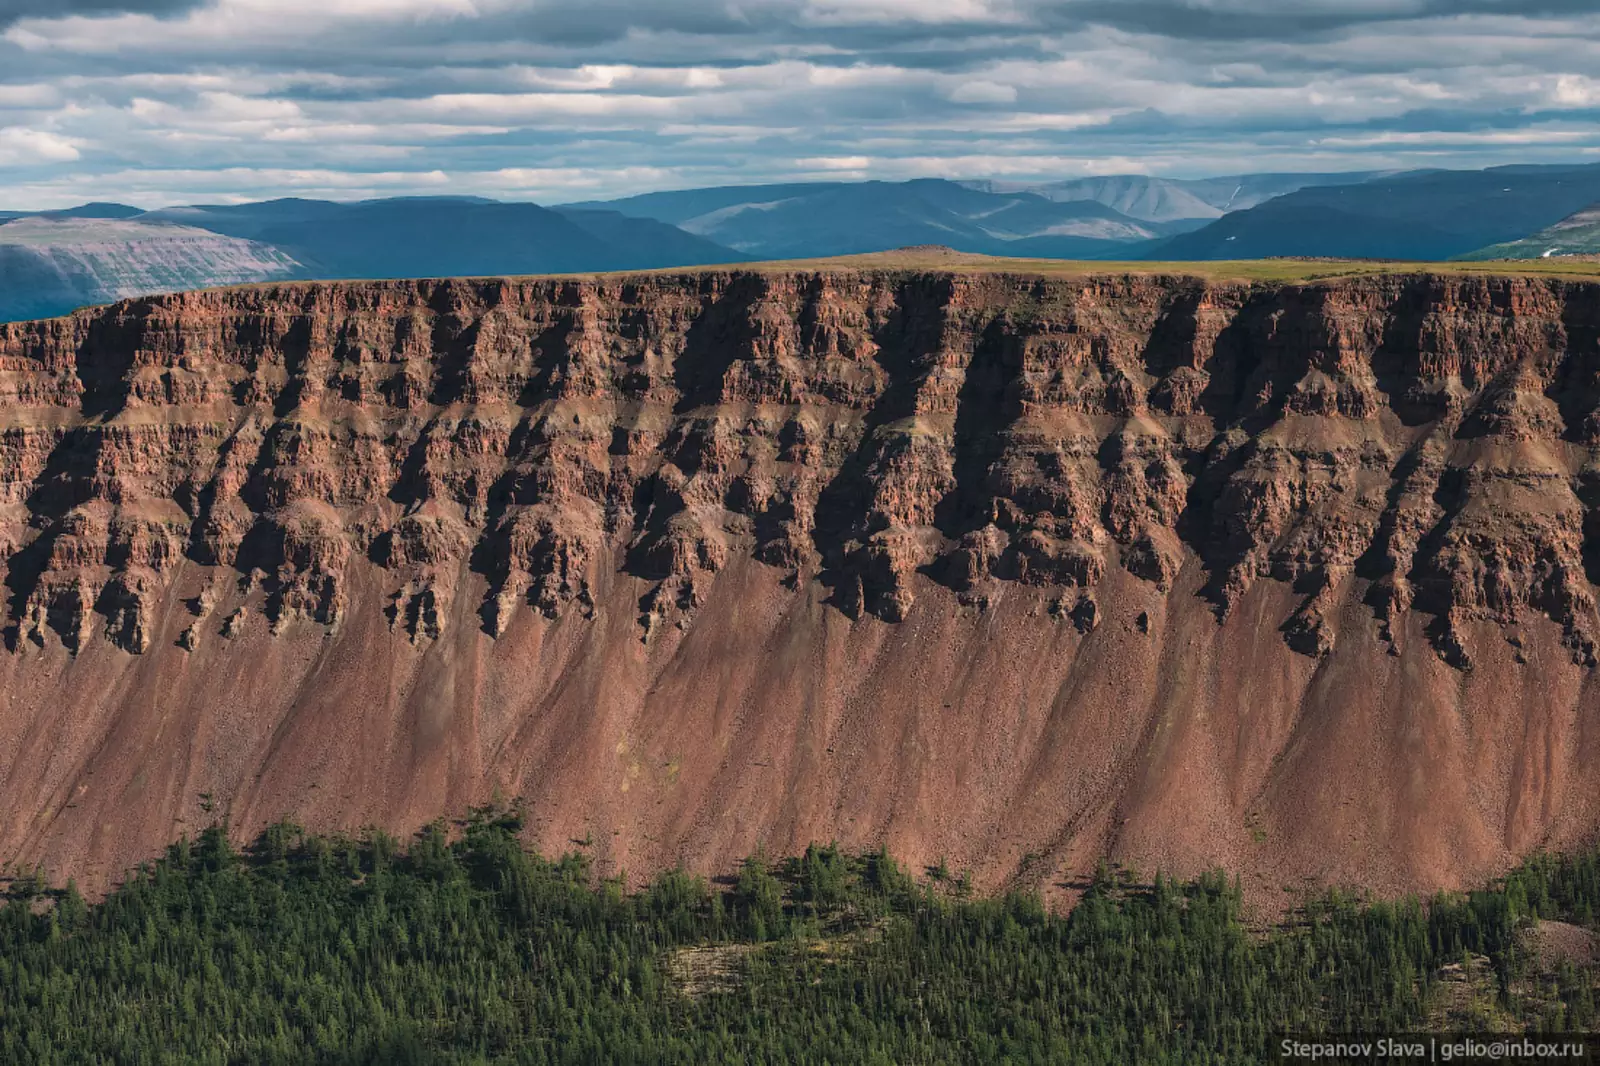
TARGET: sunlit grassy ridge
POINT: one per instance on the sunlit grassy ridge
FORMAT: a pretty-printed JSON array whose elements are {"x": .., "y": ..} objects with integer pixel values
[
  {"x": 1257, "y": 270},
  {"x": 918, "y": 260},
  {"x": 1248, "y": 270}
]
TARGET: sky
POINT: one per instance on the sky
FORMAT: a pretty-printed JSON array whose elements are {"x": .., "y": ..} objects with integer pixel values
[{"x": 156, "y": 102}]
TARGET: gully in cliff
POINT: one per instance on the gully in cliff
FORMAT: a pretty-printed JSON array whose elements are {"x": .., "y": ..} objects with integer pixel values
[{"x": 1136, "y": 544}]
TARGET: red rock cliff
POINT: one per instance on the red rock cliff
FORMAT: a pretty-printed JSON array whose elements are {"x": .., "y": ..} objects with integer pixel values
[{"x": 1012, "y": 571}]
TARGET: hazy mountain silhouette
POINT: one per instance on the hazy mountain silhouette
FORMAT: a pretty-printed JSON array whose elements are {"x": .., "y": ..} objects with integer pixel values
[
  {"x": 1421, "y": 215},
  {"x": 838, "y": 218},
  {"x": 94, "y": 210},
  {"x": 451, "y": 236},
  {"x": 110, "y": 251}
]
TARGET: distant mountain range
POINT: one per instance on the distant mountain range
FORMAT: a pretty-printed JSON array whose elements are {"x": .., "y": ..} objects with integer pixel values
[
  {"x": 96, "y": 210},
  {"x": 805, "y": 221},
  {"x": 53, "y": 261},
  {"x": 447, "y": 237},
  {"x": 1423, "y": 215},
  {"x": 1173, "y": 199}
]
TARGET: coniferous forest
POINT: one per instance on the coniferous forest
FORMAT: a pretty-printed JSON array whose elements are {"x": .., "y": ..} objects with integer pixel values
[{"x": 464, "y": 948}]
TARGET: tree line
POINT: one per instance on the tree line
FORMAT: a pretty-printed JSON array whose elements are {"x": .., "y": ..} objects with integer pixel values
[{"x": 464, "y": 947}]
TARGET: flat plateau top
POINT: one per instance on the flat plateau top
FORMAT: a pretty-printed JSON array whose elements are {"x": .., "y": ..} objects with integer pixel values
[
  {"x": 1269, "y": 271},
  {"x": 1286, "y": 269},
  {"x": 70, "y": 232}
]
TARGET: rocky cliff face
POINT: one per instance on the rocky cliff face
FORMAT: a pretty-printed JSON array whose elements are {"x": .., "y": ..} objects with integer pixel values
[{"x": 1010, "y": 570}]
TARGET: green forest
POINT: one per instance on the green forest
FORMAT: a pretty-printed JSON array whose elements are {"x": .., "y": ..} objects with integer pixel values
[{"x": 465, "y": 948}]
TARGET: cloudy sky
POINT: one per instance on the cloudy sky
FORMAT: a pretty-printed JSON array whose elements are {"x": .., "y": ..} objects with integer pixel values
[{"x": 173, "y": 101}]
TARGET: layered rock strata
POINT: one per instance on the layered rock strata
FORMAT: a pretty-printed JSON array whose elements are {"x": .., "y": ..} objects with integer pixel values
[{"x": 618, "y": 490}]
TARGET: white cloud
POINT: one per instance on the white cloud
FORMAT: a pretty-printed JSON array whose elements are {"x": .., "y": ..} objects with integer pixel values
[
  {"x": 534, "y": 108},
  {"x": 1435, "y": 138},
  {"x": 863, "y": 12},
  {"x": 846, "y": 162},
  {"x": 29, "y": 96},
  {"x": 20, "y": 146},
  {"x": 1574, "y": 90},
  {"x": 540, "y": 98},
  {"x": 984, "y": 92}
]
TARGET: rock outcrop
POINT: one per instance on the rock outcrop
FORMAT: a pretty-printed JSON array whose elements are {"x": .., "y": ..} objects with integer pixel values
[{"x": 378, "y": 512}]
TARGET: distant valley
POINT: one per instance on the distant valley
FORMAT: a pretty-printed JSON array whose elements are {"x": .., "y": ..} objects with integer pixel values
[{"x": 53, "y": 262}]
